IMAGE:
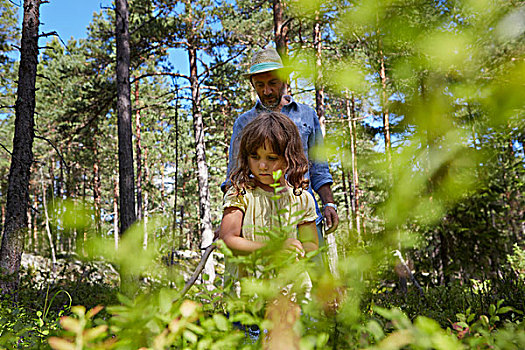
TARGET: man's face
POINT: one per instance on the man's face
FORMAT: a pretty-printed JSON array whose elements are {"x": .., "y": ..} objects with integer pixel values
[{"x": 269, "y": 88}]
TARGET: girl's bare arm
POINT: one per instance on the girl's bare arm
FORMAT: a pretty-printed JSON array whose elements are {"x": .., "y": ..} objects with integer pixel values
[
  {"x": 308, "y": 236},
  {"x": 230, "y": 232}
]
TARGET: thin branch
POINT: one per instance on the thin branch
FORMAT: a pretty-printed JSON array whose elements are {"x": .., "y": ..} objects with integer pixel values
[
  {"x": 5, "y": 148},
  {"x": 56, "y": 150},
  {"x": 53, "y": 33},
  {"x": 7, "y": 107},
  {"x": 169, "y": 74},
  {"x": 18, "y": 5},
  {"x": 43, "y": 77},
  {"x": 12, "y": 156},
  {"x": 95, "y": 115},
  {"x": 285, "y": 23},
  {"x": 198, "y": 270},
  {"x": 222, "y": 63}
]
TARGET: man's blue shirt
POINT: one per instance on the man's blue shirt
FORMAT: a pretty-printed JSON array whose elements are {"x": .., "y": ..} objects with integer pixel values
[{"x": 308, "y": 124}]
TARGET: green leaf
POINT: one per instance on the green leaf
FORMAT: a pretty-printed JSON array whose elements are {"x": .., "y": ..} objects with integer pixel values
[
  {"x": 190, "y": 336},
  {"x": 505, "y": 309},
  {"x": 322, "y": 340},
  {"x": 492, "y": 309},
  {"x": 221, "y": 322},
  {"x": 375, "y": 330}
]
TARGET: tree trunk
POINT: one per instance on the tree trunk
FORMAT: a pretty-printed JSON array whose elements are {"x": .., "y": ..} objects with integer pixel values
[
  {"x": 280, "y": 30},
  {"x": 139, "y": 153},
  {"x": 48, "y": 228},
  {"x": 125, "y": 142},
  {"x": 145, "y": 205},
  {"x": 125, "y": 145},
  {"x": 349, "y": 221},
  {"x": 319, "y": 88},
  {"x": 22, "y": 156},
  {"x": 115, "y": 212},
  {"x": 162, "y": 196},
  {"x": 177, "y": 243},
  {"x": 96, "y": 187},
  {"x": 320, "y": 109},
  {"x": 202, "y": 166},
  {"x": 350, "y": 113},
  {"x": 385, "y": 113},
  {"x": 34, "y": 225}
]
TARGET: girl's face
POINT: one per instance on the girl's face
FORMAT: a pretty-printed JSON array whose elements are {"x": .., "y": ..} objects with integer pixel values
[{"x": 263, "y": 163}]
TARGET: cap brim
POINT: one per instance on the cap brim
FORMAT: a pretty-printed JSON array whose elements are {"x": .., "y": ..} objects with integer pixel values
[{"x": 283, "y": 71}]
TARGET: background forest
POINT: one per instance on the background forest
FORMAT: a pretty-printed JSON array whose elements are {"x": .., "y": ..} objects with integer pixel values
[{"x": 422, "y": 106}]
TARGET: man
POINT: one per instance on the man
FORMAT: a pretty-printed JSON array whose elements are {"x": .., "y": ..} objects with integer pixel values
[{"x": 265, "y": 75}]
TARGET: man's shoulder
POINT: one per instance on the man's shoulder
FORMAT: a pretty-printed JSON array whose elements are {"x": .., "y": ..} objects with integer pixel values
[
  {"x": 245, "y": 117},
  {"x": 305, "y": 108},
  {"x": 301, "y": 108}
]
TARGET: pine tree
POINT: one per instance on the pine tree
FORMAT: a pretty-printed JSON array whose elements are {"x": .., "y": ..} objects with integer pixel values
[{"x": 22, "y": 157}]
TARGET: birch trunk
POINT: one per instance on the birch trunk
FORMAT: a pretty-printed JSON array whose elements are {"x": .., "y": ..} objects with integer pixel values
[
  {"x": 177, "y": 243},
  {"x": 350, "y": 113},
  {"x": 115, "y": 213},
  {"x": 145, "y": 203},
  {"x": 319, "y": 88},
  {"x": 385, "y": 112},
  {"x": 320, "y": 109},
  {"x": 138, "y": 143},
  {"x": 48, "y": 228},
  {"x": 96, "y": 187},
  {"x": 349, "y": 221},
  {"x": 139, "y": 153},
  {"x": 202, "y": 167}
]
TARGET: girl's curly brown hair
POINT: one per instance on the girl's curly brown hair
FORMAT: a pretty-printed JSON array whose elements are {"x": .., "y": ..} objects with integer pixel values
[{"x": 283, "y": 136}]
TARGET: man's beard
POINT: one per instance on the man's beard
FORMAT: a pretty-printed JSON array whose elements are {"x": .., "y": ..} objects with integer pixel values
[{"x": 273, "y": 106}]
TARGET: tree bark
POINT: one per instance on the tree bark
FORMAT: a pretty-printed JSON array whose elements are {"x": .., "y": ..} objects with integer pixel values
[
  {"x": 145, "y": 204},
  {"x": 350, "y": 113},
  {"x": 125, "y": 140},
  {"x": 385, "y": 113},
  {"x": 319, "y": 88},
  {"x": 320, "y": 109},
  {"x": 349, "y": 221},
  {"x": 139, "y": 153},
  {"x": 177, "y": 243},
  {"x": 115, "y": 213},
  {"x": 96, "y": 187},
  {"x": 202, "y": 166},
  {"x": 280, "y": 30},
  {"x": 48, "y": 227},
  {"x": 125, "y": 144},
  {"x": 22, "y": 157}
]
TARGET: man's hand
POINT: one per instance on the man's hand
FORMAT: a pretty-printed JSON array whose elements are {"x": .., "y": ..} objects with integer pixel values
[
  {"x": 329, "y": 213},
  {"x": 331, "y": 218}
]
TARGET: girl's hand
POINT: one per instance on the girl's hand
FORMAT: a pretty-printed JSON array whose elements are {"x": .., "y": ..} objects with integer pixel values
[{"x": 294, "y": 245}]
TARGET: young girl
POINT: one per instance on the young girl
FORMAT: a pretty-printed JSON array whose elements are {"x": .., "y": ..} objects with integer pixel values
[{"x": 269, "y": 143}]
